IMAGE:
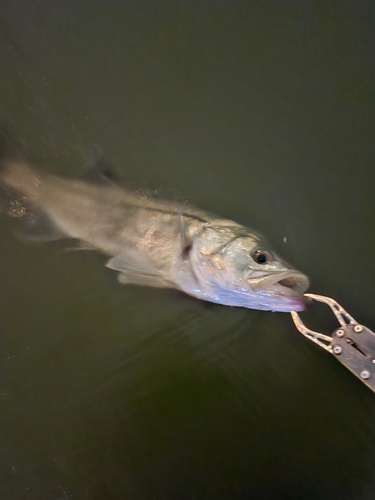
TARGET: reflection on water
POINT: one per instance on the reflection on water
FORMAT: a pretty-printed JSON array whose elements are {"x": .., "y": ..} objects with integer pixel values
[{"x": 256, "y": 111}]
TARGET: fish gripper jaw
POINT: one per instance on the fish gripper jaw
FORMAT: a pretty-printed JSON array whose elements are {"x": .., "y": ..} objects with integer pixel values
[{"x": 352, "y": 343}]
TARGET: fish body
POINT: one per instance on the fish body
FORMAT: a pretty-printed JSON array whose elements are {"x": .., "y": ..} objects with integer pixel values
[{"x": 161, "y": 243}]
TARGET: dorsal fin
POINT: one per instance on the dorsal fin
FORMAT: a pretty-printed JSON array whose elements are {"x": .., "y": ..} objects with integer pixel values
[
  {"x": 10, "y": 147},
  {"x": 99, "y": 173},
  {"x": 4, "y": 143}
]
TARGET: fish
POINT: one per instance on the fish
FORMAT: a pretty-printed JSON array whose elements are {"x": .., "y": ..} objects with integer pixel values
[{"x": 159, "y": 243}]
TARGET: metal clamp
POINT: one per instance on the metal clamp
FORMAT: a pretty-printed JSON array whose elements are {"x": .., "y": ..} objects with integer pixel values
[{"x": 352, "y": 344}]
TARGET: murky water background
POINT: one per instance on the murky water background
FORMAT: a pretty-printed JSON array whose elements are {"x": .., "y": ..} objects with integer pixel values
[{"x": 261, "y": 111}]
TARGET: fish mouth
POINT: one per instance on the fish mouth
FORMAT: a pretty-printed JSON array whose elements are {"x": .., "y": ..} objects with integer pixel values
[{"x": 289, "y": 286}]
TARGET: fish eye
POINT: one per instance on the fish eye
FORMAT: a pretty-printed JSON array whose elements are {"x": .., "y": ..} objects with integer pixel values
[{"x": 262, "y": 256}]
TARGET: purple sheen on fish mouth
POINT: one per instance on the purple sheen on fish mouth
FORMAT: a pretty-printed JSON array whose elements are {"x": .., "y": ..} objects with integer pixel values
[
  {"x": 291, "y": 292},
  {"x": 286, "y": 287},
  {"x": 298, "y": 305}
]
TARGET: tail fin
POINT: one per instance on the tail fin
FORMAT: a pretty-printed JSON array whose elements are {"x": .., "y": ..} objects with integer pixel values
[
  {"x": 20, "y": 177},
  {"x": 14, "y": 170},
  {"x": 16, "y": 174}
]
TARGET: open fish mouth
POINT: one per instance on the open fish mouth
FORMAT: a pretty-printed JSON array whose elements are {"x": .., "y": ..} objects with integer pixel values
[
  {"x": 287, "y": 283},
  {"x": 281, "y": 291}
]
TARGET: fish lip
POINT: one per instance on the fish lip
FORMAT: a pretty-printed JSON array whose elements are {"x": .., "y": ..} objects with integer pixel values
[{"x": 296, "y": 304}]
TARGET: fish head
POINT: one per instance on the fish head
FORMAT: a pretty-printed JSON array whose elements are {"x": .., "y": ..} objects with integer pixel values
[{"x": 233, "y": 267}]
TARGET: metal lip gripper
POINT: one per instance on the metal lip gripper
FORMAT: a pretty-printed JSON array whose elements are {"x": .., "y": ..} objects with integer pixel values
[{"x": 352, "y": 343}]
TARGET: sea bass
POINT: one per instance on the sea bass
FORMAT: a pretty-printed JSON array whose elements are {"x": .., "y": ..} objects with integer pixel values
[{"x": 161, "y": 243}]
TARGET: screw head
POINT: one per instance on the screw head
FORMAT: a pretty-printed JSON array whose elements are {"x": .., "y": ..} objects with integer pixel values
[
  {"x": 358, "y": 328},
  {"x": 337, "y": 349},
  {"x": 340, "y": 333},
  {"x": 365, "y": 374}
]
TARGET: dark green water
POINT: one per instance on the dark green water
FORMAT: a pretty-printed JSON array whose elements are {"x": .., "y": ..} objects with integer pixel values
[{"x": 261, "y": 111}]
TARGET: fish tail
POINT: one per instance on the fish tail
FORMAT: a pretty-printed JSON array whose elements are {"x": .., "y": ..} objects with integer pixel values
[
  {"x": 36, "y": 225},
  {"x": 15, "y": 172},
  {"x": 19, "y": 176}
]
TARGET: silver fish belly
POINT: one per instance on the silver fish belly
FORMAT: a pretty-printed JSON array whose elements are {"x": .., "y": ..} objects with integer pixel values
[{"x": 161, "y": 243}]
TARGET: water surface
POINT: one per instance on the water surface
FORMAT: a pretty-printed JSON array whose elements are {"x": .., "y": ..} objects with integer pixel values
[{"x": 259, "y": 111}]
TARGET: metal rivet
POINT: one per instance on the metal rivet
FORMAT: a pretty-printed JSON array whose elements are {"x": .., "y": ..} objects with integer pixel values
[
  {"x": 337, "y": 349},
  {"x": 365, "y": 374},
  {"x": 340, "y": 333},
  {"x": 358, "y": 328}
]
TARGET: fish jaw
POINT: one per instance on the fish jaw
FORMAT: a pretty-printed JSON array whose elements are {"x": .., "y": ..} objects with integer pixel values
[
  {"x": 264, "y": 300},
  {"x": 279, "y": 298},
  {"x": 284, "y": 290},
  {"x": 278, "y": 292}
]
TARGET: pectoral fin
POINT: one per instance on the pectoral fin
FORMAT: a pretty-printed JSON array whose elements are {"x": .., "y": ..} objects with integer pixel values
[
  {"x": 131, "y": 262},
  {"x": 137, "y": 271},
  {"x": 99, "y": 173},
  {"x": 143, "y": 280}
]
